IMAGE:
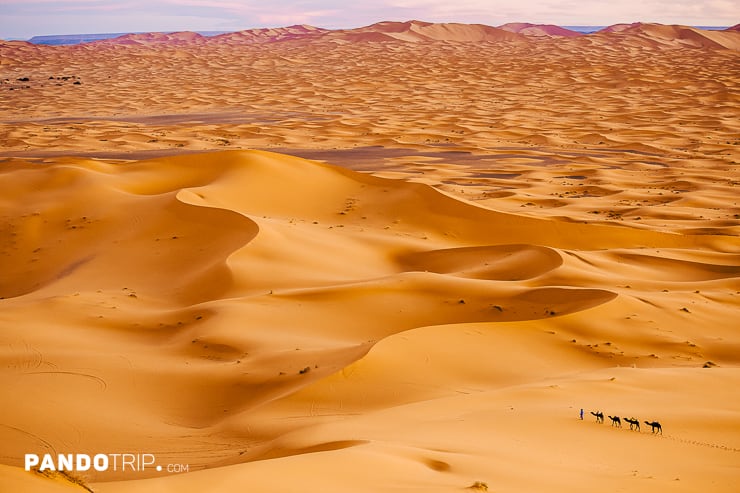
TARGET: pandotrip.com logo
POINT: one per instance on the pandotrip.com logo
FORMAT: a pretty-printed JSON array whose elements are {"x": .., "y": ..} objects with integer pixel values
[{"x": 99, "y": 462}]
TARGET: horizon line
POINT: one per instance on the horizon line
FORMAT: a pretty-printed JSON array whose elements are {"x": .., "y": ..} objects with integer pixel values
[{"x": 218, "y": 32}]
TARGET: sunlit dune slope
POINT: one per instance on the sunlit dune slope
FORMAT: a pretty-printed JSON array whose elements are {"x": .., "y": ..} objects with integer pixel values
[{"x": 259, "y": 309}]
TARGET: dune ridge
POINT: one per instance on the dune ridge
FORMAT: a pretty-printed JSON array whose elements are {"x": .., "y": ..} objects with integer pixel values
[
  {"x": 530, "y": 29},
  {"x": 421, "y": 31},
  {"x": 396, "y": 258}
]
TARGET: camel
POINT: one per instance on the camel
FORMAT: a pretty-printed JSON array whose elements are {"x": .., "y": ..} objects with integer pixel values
[
  {"x": 655, "y": 426},
  {"x": 634, "y": 423},
  {"x": 616, "y": 421},
  {"x": 599, "y": 416}
]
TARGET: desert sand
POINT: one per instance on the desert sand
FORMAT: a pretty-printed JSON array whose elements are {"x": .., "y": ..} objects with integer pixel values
[{"x": 397, "y": 258}]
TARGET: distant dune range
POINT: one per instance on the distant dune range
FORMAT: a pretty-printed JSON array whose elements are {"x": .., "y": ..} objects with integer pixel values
[{"x": 395, "y": 258}]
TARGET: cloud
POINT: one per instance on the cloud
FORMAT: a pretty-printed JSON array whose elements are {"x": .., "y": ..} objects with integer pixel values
[{"x": 45, "y": 8}]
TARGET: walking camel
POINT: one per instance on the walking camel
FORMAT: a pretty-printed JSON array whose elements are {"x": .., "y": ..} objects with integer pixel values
[
  {"x": 599, "y": 416},
  {"x": 655, "y": 426},
  {"x": 634, "y": 423},
  {"x": 616, "y": 421}
]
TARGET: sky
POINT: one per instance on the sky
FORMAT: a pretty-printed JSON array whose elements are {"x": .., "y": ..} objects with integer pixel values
[{"x": 22, "y": 19}]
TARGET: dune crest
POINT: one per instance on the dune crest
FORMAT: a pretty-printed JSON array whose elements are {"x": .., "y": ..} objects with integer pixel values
[
  {"x": 268, "y": 35},
  {"x": 529, "y": 29},
  {"x": 677, "y": 35},
  {"x": 416, "y": 31}
]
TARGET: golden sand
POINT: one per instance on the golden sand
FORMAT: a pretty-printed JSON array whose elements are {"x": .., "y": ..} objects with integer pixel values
[{"x": 460, "y": 237}]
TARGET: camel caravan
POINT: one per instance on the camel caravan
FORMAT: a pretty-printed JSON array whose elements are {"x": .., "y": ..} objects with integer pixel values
[{"x": 655, "y": 426}]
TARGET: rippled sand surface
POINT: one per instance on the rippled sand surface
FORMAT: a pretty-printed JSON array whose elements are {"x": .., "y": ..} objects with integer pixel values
[{"x": 399, "y": 258}]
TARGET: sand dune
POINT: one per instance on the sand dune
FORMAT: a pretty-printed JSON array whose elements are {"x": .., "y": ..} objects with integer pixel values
[
  {"x": 426, "y": 31},
  {"x": 207, "y": 344},
  {"x": 266, "y": 35},
  {"x": 529, "y": 29},
  {"x": 178, "y": 38},
  {"x": 442, "y": 262},
  {"x": 682, "y": 35}
]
